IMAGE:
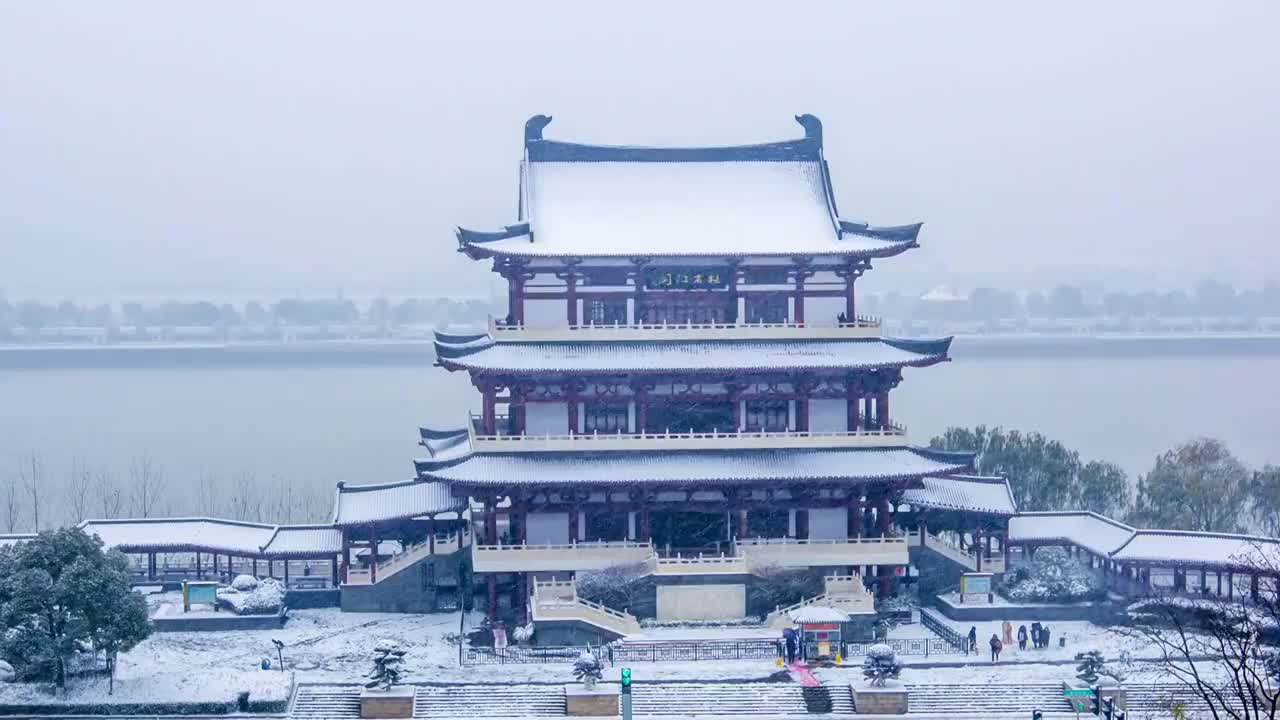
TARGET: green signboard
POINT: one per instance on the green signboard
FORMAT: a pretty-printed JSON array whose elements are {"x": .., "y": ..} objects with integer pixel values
[
  {"x": 1077, "y": 692},
  {"x": 975, "y": 584}
]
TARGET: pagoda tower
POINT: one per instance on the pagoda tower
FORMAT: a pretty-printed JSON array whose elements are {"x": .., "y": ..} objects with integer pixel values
[{"x": 682, "y": 380}]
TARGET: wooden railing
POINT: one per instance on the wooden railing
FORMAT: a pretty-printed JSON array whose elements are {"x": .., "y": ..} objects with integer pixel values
[
  {"x": 858, "y": 327},
  {"x": 894, "y": 435}
]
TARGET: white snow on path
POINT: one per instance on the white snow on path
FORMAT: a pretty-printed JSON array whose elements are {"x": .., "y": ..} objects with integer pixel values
[{"x": 1081, "y": 637}]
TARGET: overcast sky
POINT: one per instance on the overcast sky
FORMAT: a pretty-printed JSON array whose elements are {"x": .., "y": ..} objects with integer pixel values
[{"x": 313, "y": 146}]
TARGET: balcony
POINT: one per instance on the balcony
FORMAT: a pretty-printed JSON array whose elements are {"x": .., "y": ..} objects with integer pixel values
[
  {"x": 858, "y": 328},
  {"x": 550, "y": 558},
  {"x": 894, "y": 436},
  {"x": 791, "y": 552}
]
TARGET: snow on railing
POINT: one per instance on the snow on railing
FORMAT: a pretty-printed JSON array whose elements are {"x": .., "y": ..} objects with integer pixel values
[
  {"x": 495, "y": 442},
  {"x": 862, "y": 321}
]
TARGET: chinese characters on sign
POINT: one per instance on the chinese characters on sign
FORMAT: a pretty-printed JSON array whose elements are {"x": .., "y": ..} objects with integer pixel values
[{"x": 686, "y": 279}]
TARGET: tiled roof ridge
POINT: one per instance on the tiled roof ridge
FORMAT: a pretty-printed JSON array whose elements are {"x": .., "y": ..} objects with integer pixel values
[{"x": 192, "y": 519}]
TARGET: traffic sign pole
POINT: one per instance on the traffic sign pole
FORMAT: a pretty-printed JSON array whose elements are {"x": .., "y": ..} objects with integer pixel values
[{"x": 626, "y": 693}]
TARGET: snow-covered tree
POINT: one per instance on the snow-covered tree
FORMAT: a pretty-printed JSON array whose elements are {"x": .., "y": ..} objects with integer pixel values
[
  {"x": 1089, "y": 666},
  {"x": 588, "y": 669},
  {"x": 388, "y": 667},
  {"x": 61, "y": 594},
  {"x": 880, "y": 664}
]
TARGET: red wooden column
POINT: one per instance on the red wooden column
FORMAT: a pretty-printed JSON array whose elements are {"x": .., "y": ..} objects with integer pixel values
[
  {"x": 853, "y": 399},
  {"x": 799, "y": 301},
  {"x": 642, "y": 532},
  {"x": 515, "y": 294},
  {"x": 571, "y": 294},
  {"x": 489, "y": 416},
  {"x": 571, "y": 400},
  {"x": 735, "y": 397},
  {"x": 882, "y": 410},
  {"x": 373, "y": 555},
  {"x": 853, "y": 511},
  {"x": 850, "y": 273},
  {"x": 642, "y": 409},
  {"x": 431, "y": 534},
  {"x": 199, "y": 569},
  {"x": 346, "y": 558},
  {"x": 491, "y": 538}
]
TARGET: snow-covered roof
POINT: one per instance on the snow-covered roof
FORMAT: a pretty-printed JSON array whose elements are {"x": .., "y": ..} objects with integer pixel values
[
  {"x": 771, "y": 199},
  {"x": 1201, "y": 549},
  {"x": 182, "y": 535},
  {"x": 1097, "y": 534},
  {"x": 482, "y": 353},
  {"x": 693, "y": 467},
  {"x": 215, "y": 535},
  {"x": 294, "y": 540},
  {"x": 817, "y": 614},
  {"x": 14, "y": 538},
  {"x": 971, "y": 493},
  {"x": 360, "y": 504}
]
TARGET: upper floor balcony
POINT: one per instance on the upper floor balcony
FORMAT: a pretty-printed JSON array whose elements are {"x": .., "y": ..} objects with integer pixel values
[
  {"x": 859, "y": 327},
  {"x": 892, "y": 436}
]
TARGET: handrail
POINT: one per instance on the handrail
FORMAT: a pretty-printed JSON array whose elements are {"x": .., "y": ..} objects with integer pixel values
[
  {"x": 759, "y": 541},
  {"x": 895, "y": 430},
  {"x": 582, "y": 545},
  {"x": 857, "y": 322}
]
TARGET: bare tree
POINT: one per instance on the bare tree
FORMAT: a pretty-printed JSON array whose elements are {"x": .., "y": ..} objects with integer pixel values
[
  {"x": 79, "y": 487},
  {"x": 109, "y": 496},
  {"x": 146, "y": 487},
  {"x": 31, "y": 473},
  {"x": 10, "y": 505},
  {"x": 245, "y": 502},
  {"x": 1240, "y": 679},
  {"x": 207, "y": 496}
]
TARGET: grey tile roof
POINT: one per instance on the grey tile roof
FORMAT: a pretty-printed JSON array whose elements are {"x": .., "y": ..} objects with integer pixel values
[
  {"x": 964, "y": 492},
  {"x": 693, "y": 467},
  {"x": 182, "y": 535},
  {"x": 1222, "y": 550},
  {"x": 359, "y": 504},
  {"x": 296, "y": 540},
  {"x": 1100, "y": 535},
  {"x": 770, "y": 199},
  {"x": 482, "y": 353}
]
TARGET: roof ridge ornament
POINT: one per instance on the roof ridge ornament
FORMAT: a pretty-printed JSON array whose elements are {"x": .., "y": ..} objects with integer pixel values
[
  {"x": 533, "y": 127},
  {"x": 812, "y": 127}
]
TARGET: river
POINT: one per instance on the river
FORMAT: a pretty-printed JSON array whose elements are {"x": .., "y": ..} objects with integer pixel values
[{"x": 317, "y": 414}]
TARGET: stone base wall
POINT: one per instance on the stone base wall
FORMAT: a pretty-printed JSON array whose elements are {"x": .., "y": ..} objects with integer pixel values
[
  {"x": 880, "y": 701},
  {"x": 597, "y": 702},
  {"x": 394, "y": 703},
  {"x": 226, "y": 620},
  {"x": 702, "y": 602}
]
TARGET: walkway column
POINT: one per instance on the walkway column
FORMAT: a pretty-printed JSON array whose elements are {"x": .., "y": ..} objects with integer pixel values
[
  {"x": 515, "y": 295},
  {"x": 489, "y": 416},
  {"x": 199, "y": 569},
  {"x": 431, "y": 534},
  {"x": 286, "y": 573},
  {"x": 853, "y": 398},
  {"x": 571, "y": 296},
  {"x": 373, "y": 554},
  {"x": 853, "y": 511},
  {"x": 333, "y": 566},
  {"x": 643, "y": 535},
  {"x": 571, "y": 400},
  {"x": 882, "y": 410},
  {"x": 255, "y": 561}
]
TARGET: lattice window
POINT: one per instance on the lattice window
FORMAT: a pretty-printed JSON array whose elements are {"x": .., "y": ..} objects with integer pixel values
[
  {"x": 766, "y": 308},
  {"x": 607, "y": 311},
  {"x": 605, "y": 417},
  {"x": 768, "y": 415}
]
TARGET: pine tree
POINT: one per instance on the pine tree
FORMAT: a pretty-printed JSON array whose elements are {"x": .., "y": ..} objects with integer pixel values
[
  {"x": 880, "y": 664},
  {"x": 1090, "y": 665}
]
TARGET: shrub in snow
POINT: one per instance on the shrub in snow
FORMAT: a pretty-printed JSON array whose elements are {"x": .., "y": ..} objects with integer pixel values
[
  {"x": 1271, "y": 664},
  {"x": 774, "y": 587},
  {"x": 523, "y": 633},
  {"x": 588, "y": 669},
  {"x": 619, "y": 586},
  {"x": 1089, "y": 665},
  {"x": 265, "y": 599},
  {"x": 388, "y": 667},
  {"x": 1053, "y": 577},
  {"x": 244, "y": 583},
  {"x": 6, "y": 672},
  {"x": 880, "y": 664}
]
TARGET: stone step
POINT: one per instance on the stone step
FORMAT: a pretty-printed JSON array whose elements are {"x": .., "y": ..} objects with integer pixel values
[
  {"x": 489, "y": 701},
  {"x": 684, "y": 699}
]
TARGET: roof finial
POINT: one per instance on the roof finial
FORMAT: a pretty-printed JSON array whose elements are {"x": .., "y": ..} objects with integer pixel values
[
  {"x": 812, "y": 127},
  {"x": 533, "y": 127}
]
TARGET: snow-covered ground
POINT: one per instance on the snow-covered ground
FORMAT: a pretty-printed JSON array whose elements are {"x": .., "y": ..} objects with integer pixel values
[
  {"x": 328, "y": 645},
  {"x": 1080, "y": 636}
]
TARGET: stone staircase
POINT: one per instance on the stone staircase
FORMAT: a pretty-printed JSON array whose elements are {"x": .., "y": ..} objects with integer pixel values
[
  {"x": 393, "y": 565},
  {"x": 1158, "y": 699},
  {"x": 962, "y": 699},
  {"x": 952, "y": 552},
  {"x": 335, "y": 702},
  {"x": 738, "y": 699},
  {"x": 486, "y": 701},
  {"x": 558, "y": 600},
  {"x": 842, "y": 592}
]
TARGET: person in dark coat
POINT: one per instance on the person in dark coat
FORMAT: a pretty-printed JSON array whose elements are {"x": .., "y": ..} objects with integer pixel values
[
  {"x": 973, "y": 639},
  {"x": 996, "y": 646},
  {"x": 789, "y": 639},
  {"x": 1035, "y": 635},
  {"x": 1044, "y": 636},
  {"x": 1022, "y": 637}
]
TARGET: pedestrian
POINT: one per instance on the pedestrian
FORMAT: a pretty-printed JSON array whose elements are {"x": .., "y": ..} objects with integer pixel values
[
  {"x": 973, "y": 639},
  {"x": 1007, "y": 638},
  {"x": 1044, "y": 636},
  {"x": 789, "y": 638},
  {"x": 1022, "y": 637},
  {"x": 996, "y": 646},
  {"x": 1035, "y": 635}
]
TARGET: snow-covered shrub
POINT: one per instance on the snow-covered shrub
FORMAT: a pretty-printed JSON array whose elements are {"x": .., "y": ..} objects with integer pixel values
[
  {"x": 588, "y": 669},
  {"x": 6, "y": 672},
  {"x": 388, "y": 666},
  {"x": 621, "y": 587},
  {"x": 265, "y": 599},
  {"x": 1053, "y": 577},
  {"x": 523, "y": 633},
  {"x": 244, "y": 583},
  {"x": 1271, "y": 664},
  {"x": 774, "y": 587},
  {"x": 880, "y": 664},
  {"x": 1090, "y": 665}
]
